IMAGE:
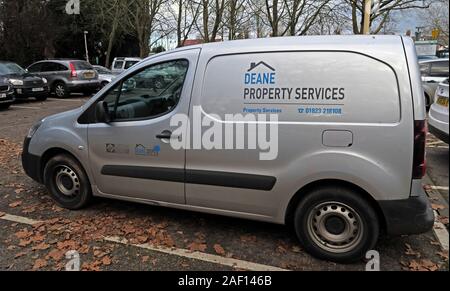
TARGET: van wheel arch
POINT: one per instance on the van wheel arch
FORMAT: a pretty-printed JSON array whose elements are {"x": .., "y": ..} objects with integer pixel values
[
  {"x": 307, "y": 189},
  {"x": 50, "y": 153}
]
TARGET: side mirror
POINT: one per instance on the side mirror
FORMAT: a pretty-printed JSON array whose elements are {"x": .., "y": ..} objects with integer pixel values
[{"x": 102, "y": 112}]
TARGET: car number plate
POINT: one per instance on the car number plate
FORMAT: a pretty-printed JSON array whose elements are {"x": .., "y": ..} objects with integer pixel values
[
  {"x": 443, "y": 101},
  {"x": 89, "y": 75},
  {"x": 37, "y": 89}
]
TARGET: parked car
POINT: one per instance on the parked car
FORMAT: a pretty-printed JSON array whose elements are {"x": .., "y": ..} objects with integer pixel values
[
  {"x": 67, "y": 76},
  {"x": 121, "y": 64},
  {"x": 433, "y": 72},
  {"x": 104, "y": 75},
  {"x": 438, "y": 115},
  {"x": 6, "y": 93},
  {"x": 332, "y": 170},
  {"x": 25, "y": 85}
]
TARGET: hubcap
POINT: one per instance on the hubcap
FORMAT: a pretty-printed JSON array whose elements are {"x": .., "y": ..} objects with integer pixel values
[
  {"x": 59, "y": 90},
  {"x": 67, "y": 181},
  {"x": 335, "y": 227}
]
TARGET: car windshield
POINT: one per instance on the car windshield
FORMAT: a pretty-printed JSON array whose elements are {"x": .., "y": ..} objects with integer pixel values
[
  {"x": 101, "y": 70},
  {"x": 11, "y": 69}
]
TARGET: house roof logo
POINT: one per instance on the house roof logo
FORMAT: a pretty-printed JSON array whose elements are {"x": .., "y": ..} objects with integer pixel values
[{"x": 255, "y": 65}]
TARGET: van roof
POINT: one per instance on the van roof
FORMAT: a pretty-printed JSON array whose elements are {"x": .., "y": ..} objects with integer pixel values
[{"x": 329, "y": 42}]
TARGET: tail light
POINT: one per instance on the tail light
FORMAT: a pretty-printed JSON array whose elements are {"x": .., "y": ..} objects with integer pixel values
[
  {"x": 420, "y": 138},
  {"x": 73, "y": 71}
]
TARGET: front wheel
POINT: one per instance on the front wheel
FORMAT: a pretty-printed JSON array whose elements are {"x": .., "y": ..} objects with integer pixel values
[
  {"x": 67, "y": 182},
  {"x": 5, "y": 106},
  {"x": 336, "y": 224}
]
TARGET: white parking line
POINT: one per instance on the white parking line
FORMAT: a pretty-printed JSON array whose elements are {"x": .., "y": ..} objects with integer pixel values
[
  {"x": 69, "y": 100},
  {"x": 440, "y": 231},
  {"x": 19, "y": 219},
  {"x": 442, "y": 188},
  {"x": 230, "y": 262},
  {"x": 25, "y": 107}
]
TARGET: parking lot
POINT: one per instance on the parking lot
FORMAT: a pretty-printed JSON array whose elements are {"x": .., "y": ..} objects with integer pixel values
[{"x": 115, "y": 235}]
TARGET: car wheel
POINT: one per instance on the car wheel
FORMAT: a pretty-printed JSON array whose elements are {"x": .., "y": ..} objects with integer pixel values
[
  {"x": 159, "y": 83},
  {"x": 336, "y": 224},
  {"x": 67, "y": 182},
  {"x": 427, "y": 101},
  {"x": 41, "y": 98},
  {"x": 4, "y": 106},
  {"x": 60, "y": 90}
]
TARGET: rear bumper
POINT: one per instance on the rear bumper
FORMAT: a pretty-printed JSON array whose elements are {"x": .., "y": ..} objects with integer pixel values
[
  {"x": 75, "y": 86},
  {"x": 31, "y": 163},
  {"x": 410, "y": 216}
]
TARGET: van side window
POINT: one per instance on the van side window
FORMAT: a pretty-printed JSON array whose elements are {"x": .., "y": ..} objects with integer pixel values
[
  {"x": 118, "y": 65},
  {"x": 439, "y": 69},
  {"x": 149, "y": 93}
]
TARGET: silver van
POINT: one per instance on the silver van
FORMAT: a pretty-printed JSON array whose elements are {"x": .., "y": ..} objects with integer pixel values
[{"x": 348, "y": 114}]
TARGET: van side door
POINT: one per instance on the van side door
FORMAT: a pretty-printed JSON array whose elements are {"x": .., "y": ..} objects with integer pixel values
[{"x": 132, "y": 156}]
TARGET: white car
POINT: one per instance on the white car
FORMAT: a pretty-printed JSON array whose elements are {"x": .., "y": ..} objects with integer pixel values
[
  {"x": 433, "y": 72},
  {"x": 438, "y": 116},
  {"x": 104, "y": 75},
  {"x": 123, "y": 63}
]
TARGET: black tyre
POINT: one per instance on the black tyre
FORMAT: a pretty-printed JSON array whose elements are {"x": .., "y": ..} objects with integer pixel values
[
  {"x": 67, "y": 182},
  {"x": 4, "y": 106},
  {"x": 336, "y": 224},
  {"x": 41, "y": 98},
  {"x": 60, "y": 89}
]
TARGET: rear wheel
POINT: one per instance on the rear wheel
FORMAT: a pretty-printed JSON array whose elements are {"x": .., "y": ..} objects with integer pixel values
[
  {"x": 60, "y": 89},
  {"x": 67, "y": 182},
  {"x": 336, "y": 224}
]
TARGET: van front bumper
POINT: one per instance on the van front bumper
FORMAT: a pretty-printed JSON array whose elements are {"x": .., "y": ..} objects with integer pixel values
[
  {"x": 31, "y": 163},
  {"x": 409, "y": 216}
]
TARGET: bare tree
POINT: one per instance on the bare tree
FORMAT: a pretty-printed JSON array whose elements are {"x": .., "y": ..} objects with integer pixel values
[
  {"x": 379, "y": 19},
  {"x": 185, "y": 15},
  {"x": 143, "y": 21},
  {"x": 236, "y": 18},
  {"x": 212, "y": 13},
  {"x": 436, "y": 17},
  {"x": 302, "y": 14}
]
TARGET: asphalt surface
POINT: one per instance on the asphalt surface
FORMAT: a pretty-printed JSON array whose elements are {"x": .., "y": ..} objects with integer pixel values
[{"x": 43, "y": 246}]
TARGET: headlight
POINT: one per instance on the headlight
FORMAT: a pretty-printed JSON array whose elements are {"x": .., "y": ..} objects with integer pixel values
[
  {"x": 16, "y": 82},
  {"x": 44, "y": 80},
  {"x": 33, "y": 129}
]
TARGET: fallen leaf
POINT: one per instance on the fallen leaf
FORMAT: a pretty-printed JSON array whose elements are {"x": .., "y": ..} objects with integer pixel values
[
  {"x": 443, "y": 255},
  {"x": 39, "y": 263},
  {"x": 106, "y": 261},
  {"x": 2, "y": 214},
  {"x": 56, "y": 255},
  {"x": 21, "y": 254},
  {"x": 195, "y": 246},
  {"x": 24, "y": 233},
  {"x": 145, "y": 259},
  {"x": 41, "y": 247},
  {"x": 437, "y": 206},
  {"x": 219, "y": 249},
  {"x": 15, "y": 204}
]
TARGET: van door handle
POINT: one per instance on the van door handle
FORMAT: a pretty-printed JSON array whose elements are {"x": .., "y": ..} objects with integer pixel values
[{"x": 164, "y": 135}]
